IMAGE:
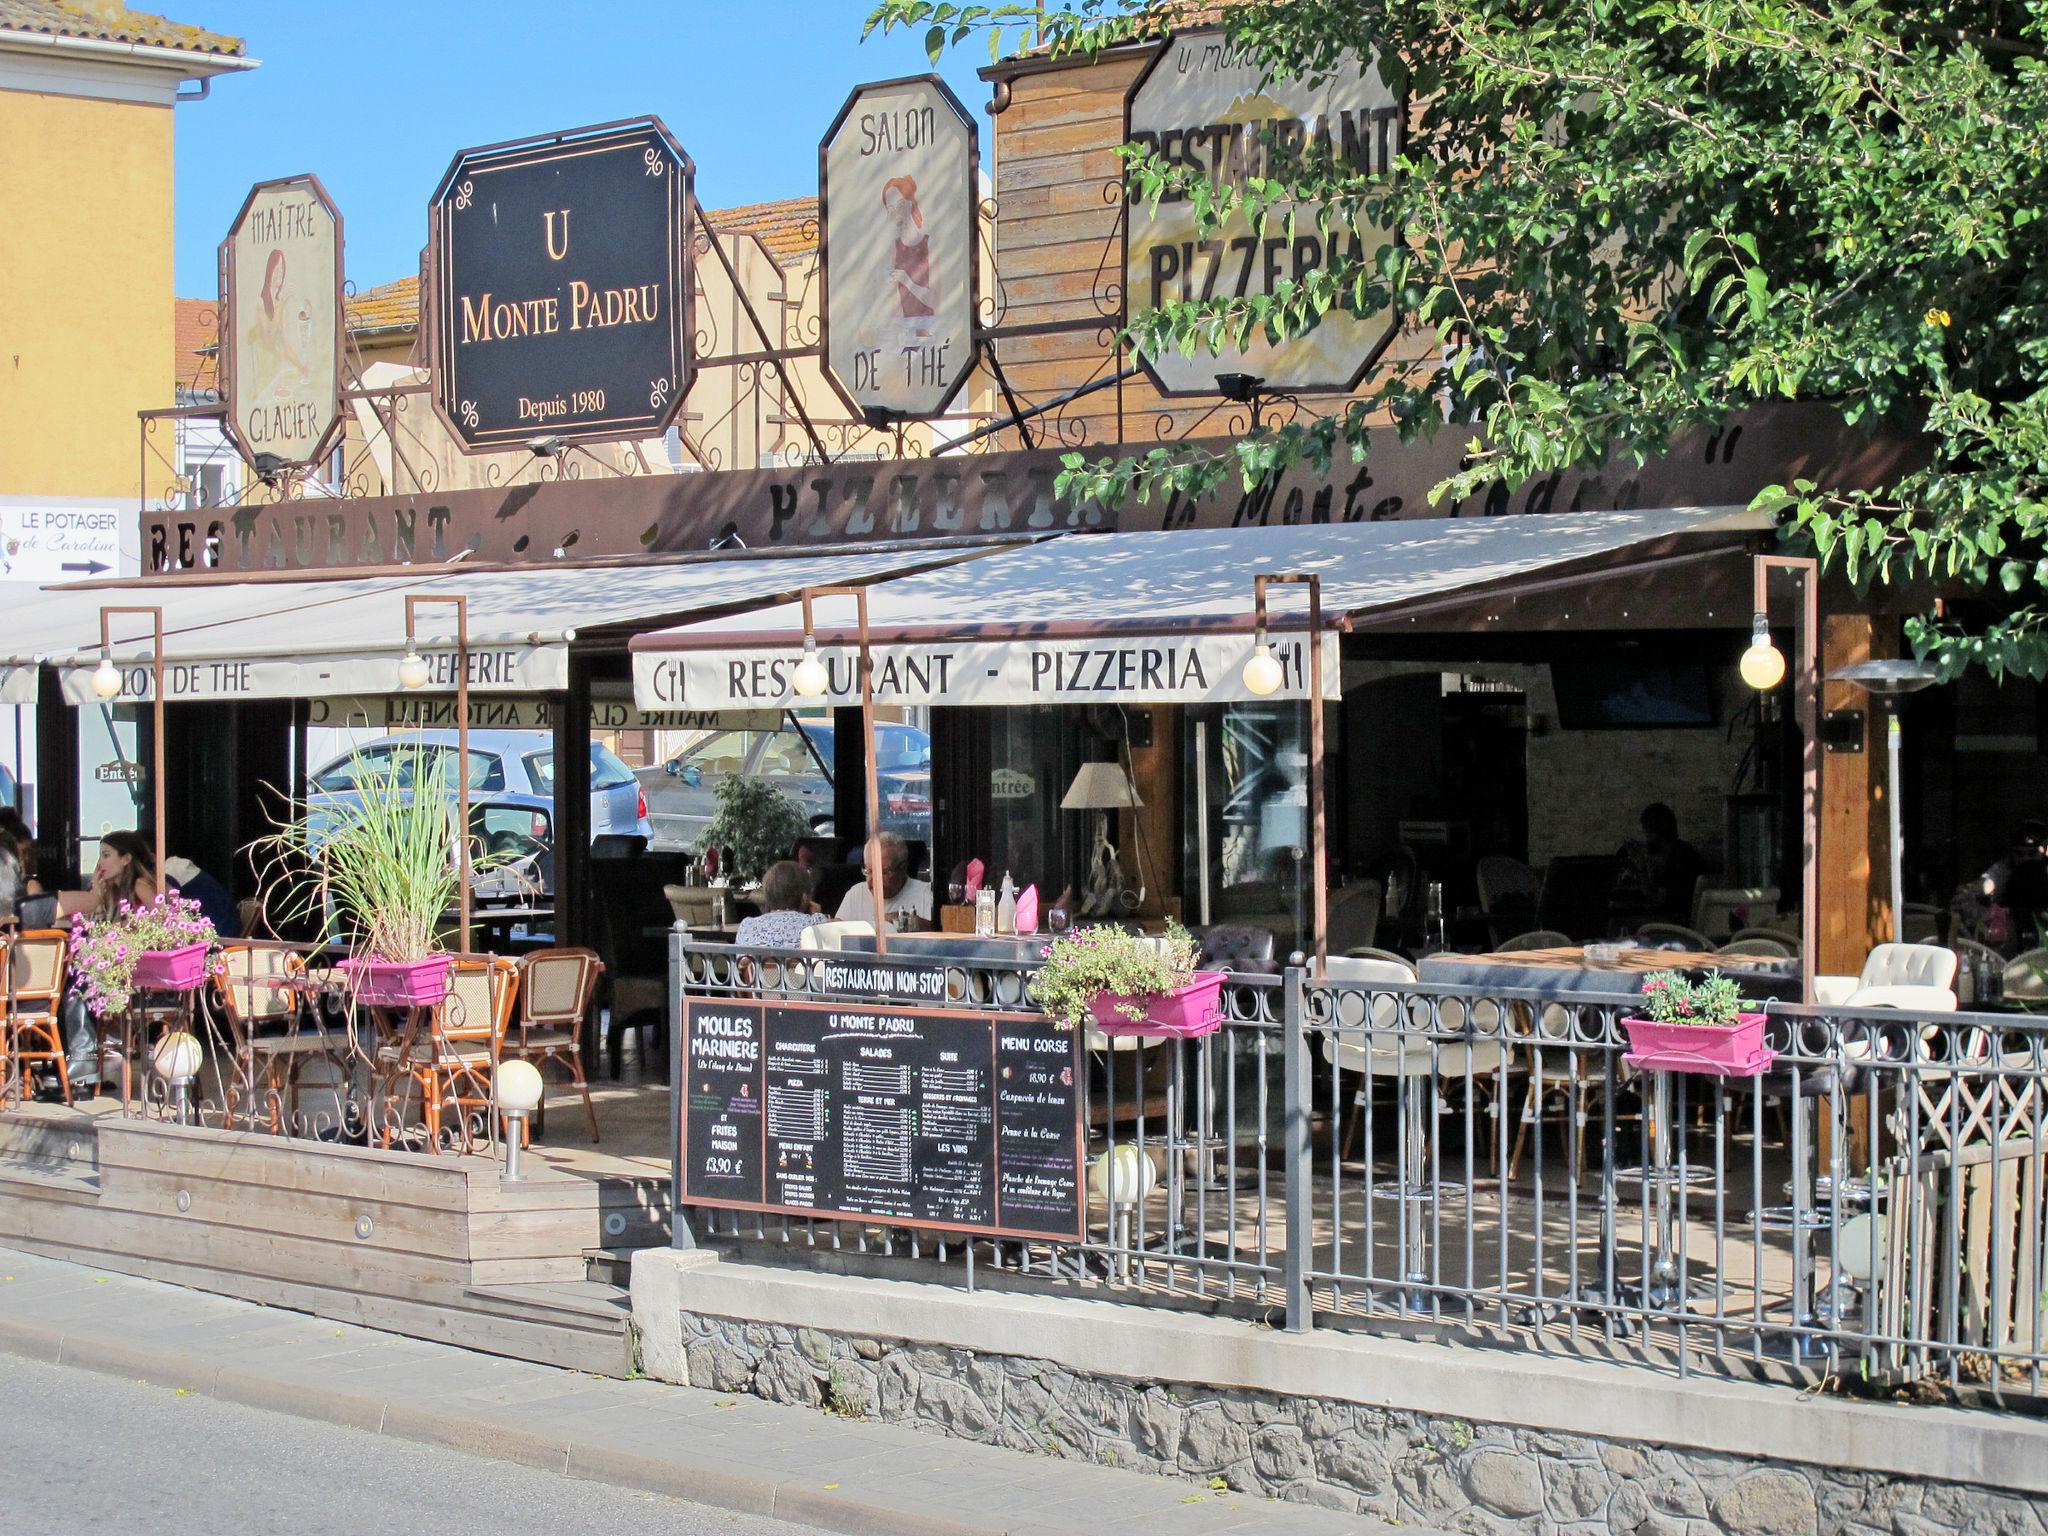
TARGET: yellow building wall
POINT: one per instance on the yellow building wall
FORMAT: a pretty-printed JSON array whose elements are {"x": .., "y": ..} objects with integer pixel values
[{"x": 85, "y": 293}]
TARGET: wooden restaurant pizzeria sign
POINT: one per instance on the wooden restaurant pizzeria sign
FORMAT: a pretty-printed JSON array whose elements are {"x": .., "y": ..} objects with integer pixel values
[
  {"x": 1201, "y": 103},
  {"x": 560, "y": 287}
]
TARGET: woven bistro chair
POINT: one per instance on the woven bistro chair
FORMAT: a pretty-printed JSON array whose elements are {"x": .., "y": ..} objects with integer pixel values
[
  {"x": 453, "y": 1061},
  {"x": 1762, "y": 948},
  {"x": 259, "y": 988},
  {"x": 555, "y": 988},
  {"x": 1658, "y": 935},
  {"x": 36, "y": 964}
]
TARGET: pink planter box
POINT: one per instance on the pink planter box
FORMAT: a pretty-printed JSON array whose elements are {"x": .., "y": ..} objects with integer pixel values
[
  {"x": 398, "y": 983},
  {"x": 1736, "y": 1050},
  {"x": 1182, "y": 1013},
  {"x": 171, "y": 970}
]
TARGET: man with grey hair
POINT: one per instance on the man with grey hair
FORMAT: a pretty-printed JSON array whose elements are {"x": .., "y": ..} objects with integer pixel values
[{"x": 908, "y": 902}]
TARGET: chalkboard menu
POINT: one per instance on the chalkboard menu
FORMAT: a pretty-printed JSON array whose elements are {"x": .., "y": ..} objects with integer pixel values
[{"x": 968, "y": 1122}]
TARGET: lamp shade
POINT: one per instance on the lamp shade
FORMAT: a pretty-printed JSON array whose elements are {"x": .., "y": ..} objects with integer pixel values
[
  {"x": 1100, "y": 787},
  {"x": 516, "y": 1086}
]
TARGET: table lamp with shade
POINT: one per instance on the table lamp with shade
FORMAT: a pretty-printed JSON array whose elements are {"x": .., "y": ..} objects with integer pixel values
[{"x": 1102, "y": 788}]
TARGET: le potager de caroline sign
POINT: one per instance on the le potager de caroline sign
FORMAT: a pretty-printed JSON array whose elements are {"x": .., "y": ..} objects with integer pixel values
[{"x": 561, "y": 294}]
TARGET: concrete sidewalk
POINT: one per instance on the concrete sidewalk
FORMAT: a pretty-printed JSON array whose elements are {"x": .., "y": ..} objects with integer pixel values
[{"x": 732, "y": 1453}]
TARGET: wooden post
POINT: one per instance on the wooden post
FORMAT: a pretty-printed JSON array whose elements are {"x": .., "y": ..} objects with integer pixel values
[{"x": 1855, "y": 857}]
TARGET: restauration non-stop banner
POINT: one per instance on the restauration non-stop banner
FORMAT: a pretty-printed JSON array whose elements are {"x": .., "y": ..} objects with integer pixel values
[{"x": 1134, "y": 669}]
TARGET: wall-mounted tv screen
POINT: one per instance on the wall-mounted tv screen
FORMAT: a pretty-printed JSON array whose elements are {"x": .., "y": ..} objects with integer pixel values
[{"x": 1613, "y": 693}]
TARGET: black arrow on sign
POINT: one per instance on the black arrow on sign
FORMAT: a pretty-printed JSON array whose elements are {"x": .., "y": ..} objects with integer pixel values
[{"x": 90, "y": 567}]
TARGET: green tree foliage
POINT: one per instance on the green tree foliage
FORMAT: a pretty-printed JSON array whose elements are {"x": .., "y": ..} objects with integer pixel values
[{"x": 1625, "y": 219}]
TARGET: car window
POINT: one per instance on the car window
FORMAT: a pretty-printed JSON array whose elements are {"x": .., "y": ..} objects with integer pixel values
[
  {"x": 343, "y": 776},
  {"x": 720, "y": 752},
  {"x": 606, "y": 770},
  {"x": 784, "y": 756}
]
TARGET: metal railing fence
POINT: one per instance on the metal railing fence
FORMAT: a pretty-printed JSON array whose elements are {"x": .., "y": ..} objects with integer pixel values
[{"x": 1438, "y": 1159}]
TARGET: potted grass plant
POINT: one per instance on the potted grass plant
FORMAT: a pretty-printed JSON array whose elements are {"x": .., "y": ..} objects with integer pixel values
[
  {"x": 1127, "y": 983},
  {"x": 1697, "y": 1026},
  {"x": 377, "y": 868}
]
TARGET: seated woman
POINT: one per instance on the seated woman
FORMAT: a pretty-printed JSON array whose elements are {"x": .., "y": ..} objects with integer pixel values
[
  {"x": 786, "y": 909},
  {"x": 125, "y": 871}
]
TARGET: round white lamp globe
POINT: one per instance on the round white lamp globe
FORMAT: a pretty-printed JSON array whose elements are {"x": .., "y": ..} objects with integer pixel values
[
  {"x": 809, "y": 680},
  {"x": 517, "y": 1087},
  {"x": 1262, "y": 674},
  {"x": 1763, "y": 665},
  {"x": 177, "y": 1057},
  {"x": 106, "y": 678},
  {"x": 412, "y": 668}
]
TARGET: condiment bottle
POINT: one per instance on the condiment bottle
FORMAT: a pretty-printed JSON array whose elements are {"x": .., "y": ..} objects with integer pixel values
[
  {"x": 985, "y": 912},
  {"x": 1006, "y": 907}
]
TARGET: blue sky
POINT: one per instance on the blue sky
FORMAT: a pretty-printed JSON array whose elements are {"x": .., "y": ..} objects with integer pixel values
[{"x": 376, "y": 97}]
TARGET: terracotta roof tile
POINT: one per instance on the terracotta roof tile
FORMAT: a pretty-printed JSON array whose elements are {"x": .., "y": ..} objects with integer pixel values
[
  {"x": 111, "y": 21},
  {"x": 195, "y": 351},
  {"x": 788, "y": 228}
]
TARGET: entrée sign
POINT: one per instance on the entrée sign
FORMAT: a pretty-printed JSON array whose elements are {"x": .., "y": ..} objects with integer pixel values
[{"x": 561, "y": 293}]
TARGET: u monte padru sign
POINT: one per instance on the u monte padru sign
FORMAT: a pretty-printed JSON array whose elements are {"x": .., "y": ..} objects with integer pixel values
[{"x": 561, "y": 287}]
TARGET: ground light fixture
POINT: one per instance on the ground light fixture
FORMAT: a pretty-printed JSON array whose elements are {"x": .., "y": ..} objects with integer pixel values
[
  {"x": 516, "y": 1089},
  {"x": 177, "y": 1059},
  {"x": 1763, "y": 664}
]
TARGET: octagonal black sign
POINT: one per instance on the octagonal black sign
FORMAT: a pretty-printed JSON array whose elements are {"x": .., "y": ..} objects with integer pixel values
[{"x": 561, "y": 287}]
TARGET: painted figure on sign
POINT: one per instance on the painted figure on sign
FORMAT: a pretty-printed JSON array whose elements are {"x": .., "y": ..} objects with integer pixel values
[
  {"x": 279, "y": 337},
  {"x": 910, "y": 275}
]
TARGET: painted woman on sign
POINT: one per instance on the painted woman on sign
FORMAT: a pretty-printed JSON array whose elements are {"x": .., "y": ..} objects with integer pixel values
[
  {"x": 276, "y": 338},
  {"x": 911, "y": 273}
]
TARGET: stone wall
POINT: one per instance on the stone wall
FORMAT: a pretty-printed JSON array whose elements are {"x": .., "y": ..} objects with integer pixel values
[{"x": 1411, "y": 1468}]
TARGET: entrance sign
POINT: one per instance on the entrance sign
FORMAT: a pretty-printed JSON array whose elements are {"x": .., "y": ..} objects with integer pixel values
[
  {"x": 281, "y": 323},
  {"x": 1202, "y": 103},
  {"x": 1129, "y": 669},
  {"x": 967, "y": 1122},
  {"x": 897, "y": 175},
  {"x": 561, "y": 287}
]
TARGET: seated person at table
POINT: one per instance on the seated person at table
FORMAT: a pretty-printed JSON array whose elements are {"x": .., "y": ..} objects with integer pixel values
[
  {"x": 786, "y": 909},
  {"x": 13, "y": 882},
  {"x": 908, "y": 902},
  {"x": 1659, "y": 874},
  {"x": 126, "y": 871},
  {"x": 24, "y": 847},
  {"x": 195, "y": 884}
]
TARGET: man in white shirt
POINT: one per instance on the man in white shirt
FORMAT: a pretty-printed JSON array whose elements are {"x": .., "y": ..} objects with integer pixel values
[{"x": 908, "y": 902}]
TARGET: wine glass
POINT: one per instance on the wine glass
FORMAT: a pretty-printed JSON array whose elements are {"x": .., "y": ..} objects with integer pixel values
[
  {"x": 1057, "y": 921},
  {"x": 956, "y": 891}
]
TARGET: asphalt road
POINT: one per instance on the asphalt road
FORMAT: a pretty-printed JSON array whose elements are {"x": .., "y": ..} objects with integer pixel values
[{"x": 84, "y": 1452}]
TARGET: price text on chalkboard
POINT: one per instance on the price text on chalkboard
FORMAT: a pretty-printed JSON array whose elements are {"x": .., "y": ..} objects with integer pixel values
[{"x": 967, "y": 1122}]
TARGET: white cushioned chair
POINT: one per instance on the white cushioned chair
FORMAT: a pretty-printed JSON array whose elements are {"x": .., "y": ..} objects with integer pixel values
[
  {"x": 835, "y": 934},
  {"x": 1916, "y": 976}
]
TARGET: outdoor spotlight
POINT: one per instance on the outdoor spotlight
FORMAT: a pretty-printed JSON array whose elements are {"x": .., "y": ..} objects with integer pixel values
[
  {"x": 1763, "y": 664},
  {"x": 880, "y": 417},
  {"x": 106, "y": 679},
  {"x": 809, "y": 680},
  {"x": 1242, "y": 388},
  {"x": 545, "y": 447},
  {"x": 267, "y": 467},
  {"x": 412, "y": 667},
  {"x": 1262, "y": 674}
]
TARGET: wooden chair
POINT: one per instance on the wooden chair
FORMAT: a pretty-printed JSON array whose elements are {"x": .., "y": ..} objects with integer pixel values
[
  {"x": 258, "y": 988},
  {"x": 455, "y": 1061},
  {"x": 555, "y": 988},
  {"x": 1775, "y": 949},
  {"x": 1667, "y": 933},
  {"x": 1536, "y": 938},
  {"x": 36, "y": 964}
]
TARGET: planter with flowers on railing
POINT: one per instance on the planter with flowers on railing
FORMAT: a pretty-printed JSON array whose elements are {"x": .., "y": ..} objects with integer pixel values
[
  {"x": 1124, "y": 983},
  {"x": 1696, "y": 1026},
  {"x": 157, "y": 946}
]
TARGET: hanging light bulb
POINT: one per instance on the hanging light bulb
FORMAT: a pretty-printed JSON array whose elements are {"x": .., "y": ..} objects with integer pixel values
[
  {"x": 106, "y": 679},
  {"x": 1262, "y": 674},
  {"x": 809, "y": 680},
  {"x": 412, "y": 667},
  {"x": 1763, "y": 664}
]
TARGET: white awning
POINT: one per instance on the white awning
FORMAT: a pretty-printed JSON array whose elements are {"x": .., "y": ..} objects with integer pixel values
[
  {"x": 310, "y": 638},
  {"x": 1153, "y": 617}
]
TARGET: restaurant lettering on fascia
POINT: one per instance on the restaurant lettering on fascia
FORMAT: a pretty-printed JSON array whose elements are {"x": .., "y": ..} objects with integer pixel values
[{"x": 630, "y": 433}]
